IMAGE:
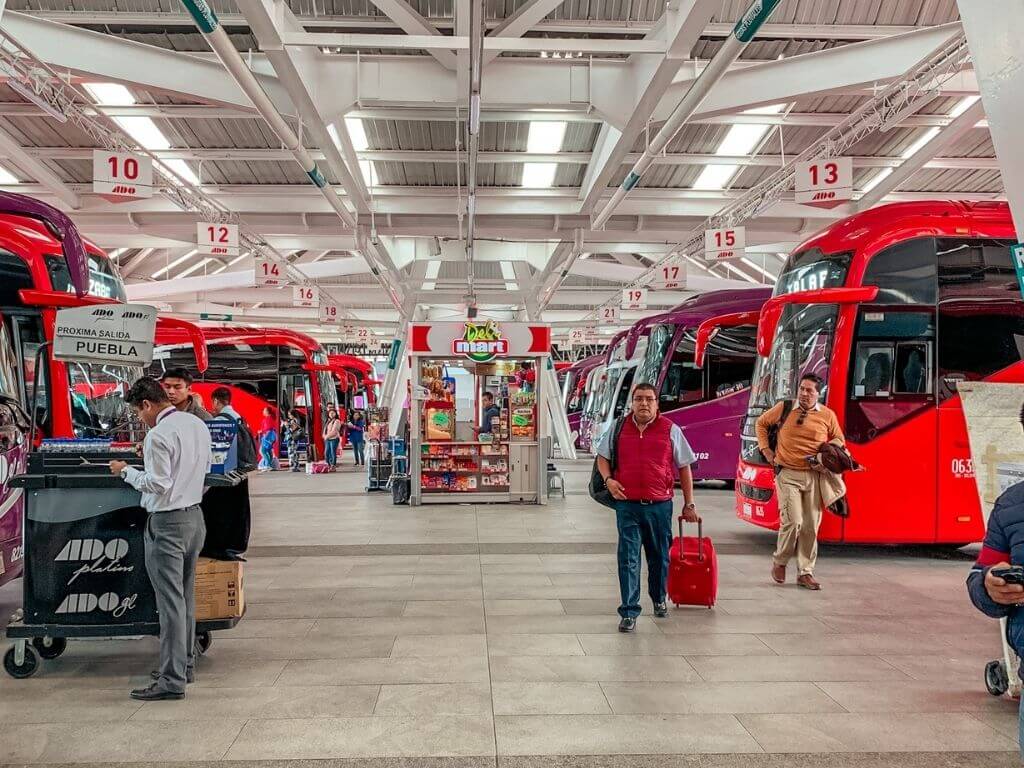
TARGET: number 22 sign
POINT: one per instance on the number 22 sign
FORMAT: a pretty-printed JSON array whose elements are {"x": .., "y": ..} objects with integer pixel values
[
  {"x": 824, "y": 183},
  {"x": 269, "y": 273},
  {"x": 217, "y": 239},
  {"x": 121, "y": 175}
]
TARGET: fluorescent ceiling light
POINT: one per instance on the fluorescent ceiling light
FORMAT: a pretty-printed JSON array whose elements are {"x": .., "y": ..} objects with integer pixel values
[
  {"x": 7, "y": 178},
  {"x": 142, "y": 129},
  {"x": 763, "y": 271},
  {"x": 511, "y": 286},
  {"x": 357, "y": 135},
  {"x": 963, "y": 105},
  {"x": 696, "y": 263},
  {"x": 176, "y": 262},
  {"x": 539, "y": 175},
  {"x": 433, "y": 270},
  {"x": 508, "y": 272},
  {"x": 739, "y": 140},
  {"x": 194, "y": 268},
  {"x": 545, "y": 137},
  {"x": 238, "y": 259},
  {"x": 584, "y": 256}
]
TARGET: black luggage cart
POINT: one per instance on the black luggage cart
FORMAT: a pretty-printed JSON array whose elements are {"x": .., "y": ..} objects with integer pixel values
[{"x": 85, "y": 572}]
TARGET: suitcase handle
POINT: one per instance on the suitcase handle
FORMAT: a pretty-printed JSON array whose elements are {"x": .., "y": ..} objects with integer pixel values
[{"x": 700, "y": 537}]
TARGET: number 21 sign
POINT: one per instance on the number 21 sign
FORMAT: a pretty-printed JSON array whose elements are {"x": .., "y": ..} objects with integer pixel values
[
  {"x": 121, "y": 175},
  {"x": 217, "y": 239},
  {"x": 824, "y": 183}
]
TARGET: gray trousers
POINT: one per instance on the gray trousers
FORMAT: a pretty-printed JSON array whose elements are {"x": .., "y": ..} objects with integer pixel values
[{"x": 173, "y": 542}]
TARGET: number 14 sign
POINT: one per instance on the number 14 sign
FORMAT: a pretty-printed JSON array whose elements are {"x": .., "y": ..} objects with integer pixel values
[{"x": 269, "y": 273}]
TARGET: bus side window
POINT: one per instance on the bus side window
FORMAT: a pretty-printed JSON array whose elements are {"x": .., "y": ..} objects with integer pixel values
[
  {"x": 872, "y": 370},
  {"x": 913, "y": 363}
]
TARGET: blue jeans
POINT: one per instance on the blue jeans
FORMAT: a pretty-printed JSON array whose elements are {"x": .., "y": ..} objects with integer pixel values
[
  {"x": 650, "y": 526},
  {"x": 332, "y": 450},
  {"x": 359, "y": 451}
]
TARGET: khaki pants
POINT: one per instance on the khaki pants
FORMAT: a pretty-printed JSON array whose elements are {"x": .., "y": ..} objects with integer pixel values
[{"x": 799, "y": 495}]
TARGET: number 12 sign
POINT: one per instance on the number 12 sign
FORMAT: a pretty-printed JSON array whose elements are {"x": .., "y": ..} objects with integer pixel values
[
  {"x": 269, "y": 273},
  {"x": 634, "y": 298},
  {"x": 306, "y": 296},
  {"x": 824, "y": 183},
  {"x": 722, "y": 244},
  {"x": 217, "y": 239},
  {"x": 121, "y": 175}
]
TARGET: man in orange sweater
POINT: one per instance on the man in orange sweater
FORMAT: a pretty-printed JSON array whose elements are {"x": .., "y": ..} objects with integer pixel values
[{"x": 797, "y": 480}]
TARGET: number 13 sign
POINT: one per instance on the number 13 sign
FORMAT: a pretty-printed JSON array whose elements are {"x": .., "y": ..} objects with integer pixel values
[
  {"x": 217, "y": 239},
  {"x": 824, "y": 183}
]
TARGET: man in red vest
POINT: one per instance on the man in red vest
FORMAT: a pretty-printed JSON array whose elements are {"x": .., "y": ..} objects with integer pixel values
[{"x": 651, "y": 452}]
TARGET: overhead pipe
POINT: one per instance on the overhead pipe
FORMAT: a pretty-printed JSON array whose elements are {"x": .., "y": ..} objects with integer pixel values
[
  {"x": 208, "y": 23},
  {"x": 742, "y": 34},
  {"x": 476, "y": 47}
]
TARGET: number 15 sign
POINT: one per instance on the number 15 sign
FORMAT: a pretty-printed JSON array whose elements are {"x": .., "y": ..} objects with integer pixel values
[{"x": 722, "y": 244}]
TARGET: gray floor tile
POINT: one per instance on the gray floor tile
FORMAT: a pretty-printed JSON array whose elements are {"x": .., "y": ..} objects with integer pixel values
[
  {"x": 312, "y": 646},
  {"x": 591, "y": 669},
  {"x": 444, "y": 608},
  {"x": 549, "y": 699},
  {"x": 534, "y": 645},
  {"x": 342, "y": 629},
  {"x": 416, "y": 736},
  {"x": 439, "y": 699},
  {"x": 886, "y": 732},
  {"x": 46, "y": 705},
  {"x": 620, "y": 734},
  {"x": 440, "y": 645},
  {"x": 792, "y": 668},
  {"x": 676, "y": 645},
  {"x": 954, "y": 695},
  {"x": 523, "y": 608},
  {"x": 386, "y": 671},
  {"x": 269, "y": 702},
  {"x": 716, "y": 698}
]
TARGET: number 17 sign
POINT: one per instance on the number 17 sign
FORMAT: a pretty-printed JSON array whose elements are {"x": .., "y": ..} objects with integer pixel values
[{"x": 670, "y": 276}]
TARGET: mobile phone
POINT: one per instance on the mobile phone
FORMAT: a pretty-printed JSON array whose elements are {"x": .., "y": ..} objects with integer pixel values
[{"x": 1012, "y": 575}]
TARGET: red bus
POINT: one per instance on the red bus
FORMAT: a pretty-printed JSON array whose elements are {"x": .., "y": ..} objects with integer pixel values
[
  {"x": 892, "y": 307},
  {"x": 366, "y": 384},
  {"x": 280, "y": 368}
]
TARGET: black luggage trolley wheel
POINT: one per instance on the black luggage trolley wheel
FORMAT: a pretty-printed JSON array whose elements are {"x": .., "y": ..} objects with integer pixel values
[
  {"x": 997, "y": 682},
  {"x": 28, "y": 667},
  {"x": 203, "y": 642},
  {"x": 50, "y": 647}
]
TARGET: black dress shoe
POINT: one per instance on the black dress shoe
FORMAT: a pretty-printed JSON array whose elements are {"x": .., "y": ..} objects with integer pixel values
[
  {"x": 156, "y": 693},
  {"x": 661, "y": 610},
  {"x": 628, "y": 624},
  {"x": 190, "y": 675}
]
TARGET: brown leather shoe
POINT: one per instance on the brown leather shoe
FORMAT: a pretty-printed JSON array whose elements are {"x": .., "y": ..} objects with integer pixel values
[
  {"x": 779, "y": 573},
  {"x": 807, "y": 582}
]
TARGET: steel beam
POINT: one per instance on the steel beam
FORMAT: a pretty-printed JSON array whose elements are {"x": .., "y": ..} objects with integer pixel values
[
  {"x": 406, "y": 17},
  {"x": 32, "y": 165}
]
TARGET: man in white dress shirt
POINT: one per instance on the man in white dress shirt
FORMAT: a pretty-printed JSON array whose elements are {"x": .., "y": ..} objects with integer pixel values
[{"x": 176, "y": 457}]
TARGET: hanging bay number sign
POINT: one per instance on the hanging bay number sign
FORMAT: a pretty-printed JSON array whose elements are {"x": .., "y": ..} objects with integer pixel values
[
  {"x": 720, "y": 244},
  {"x": 634, "y": 298},
  {"x": 577, "y": 337},
  {"x": 329, "y": 312},
  {"x": 824, "y": 183},
  {"x": 217, "y": 239},
  {"x": 269, "y": 273},
  {"x": 306, "y": 296},
  {"x": 121, "y": 175},
  {"x": 608, "y": 314},
  {"x": 670, "y": 276}
]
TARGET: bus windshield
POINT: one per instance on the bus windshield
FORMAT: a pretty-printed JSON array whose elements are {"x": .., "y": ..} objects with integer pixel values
[
  {"x": 812, "y": 270},
  {"x": 103, "y": 280},
  {"x": 654, "y": 356},
  {"x": 803, "y": 344},
  {"x": 98, "y": 407}
]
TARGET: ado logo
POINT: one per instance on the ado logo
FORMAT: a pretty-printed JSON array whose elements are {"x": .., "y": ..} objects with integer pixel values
[
  {"x": 108, "y": 602},
  {"x": 95, "y": 556}
]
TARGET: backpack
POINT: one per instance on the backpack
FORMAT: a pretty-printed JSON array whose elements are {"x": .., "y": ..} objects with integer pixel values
[
  {"x": 247, "y": 456},
  {"x": 774, "y": 429},
  {"x": 598, "y": 490}
]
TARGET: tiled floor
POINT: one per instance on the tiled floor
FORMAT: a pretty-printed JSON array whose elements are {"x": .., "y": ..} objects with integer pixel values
[{"x": 487, "y": 635}]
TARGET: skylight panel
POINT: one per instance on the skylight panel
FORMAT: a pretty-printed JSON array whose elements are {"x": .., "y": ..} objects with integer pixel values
[
  {"x": 7, "y": 178},
  {"x": 539, "y": 175},
  {"x": 180, "y": 260},
  {"x": 195, "y": 267},
  {"x": 545, "y": 137}
]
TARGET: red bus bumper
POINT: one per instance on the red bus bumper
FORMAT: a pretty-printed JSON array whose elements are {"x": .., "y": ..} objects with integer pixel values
[{"x": 756, "y": 501}]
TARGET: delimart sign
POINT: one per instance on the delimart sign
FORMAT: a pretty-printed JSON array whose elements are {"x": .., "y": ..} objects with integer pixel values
[
  {"x": 481, "y": 343},
  {"x": 105, "y": 333}
]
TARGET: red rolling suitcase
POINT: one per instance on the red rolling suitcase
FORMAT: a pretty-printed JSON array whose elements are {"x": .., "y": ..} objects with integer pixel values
[{"x": 692, "y": 569}]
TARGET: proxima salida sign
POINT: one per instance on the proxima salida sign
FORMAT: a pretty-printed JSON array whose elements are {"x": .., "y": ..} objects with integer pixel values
[{"x": 107, "y": 333}]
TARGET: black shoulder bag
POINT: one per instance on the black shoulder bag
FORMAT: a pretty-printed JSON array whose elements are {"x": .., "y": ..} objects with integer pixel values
[
  {"x": 774, "y": 429},
  {"x": 598, "y": 490}
]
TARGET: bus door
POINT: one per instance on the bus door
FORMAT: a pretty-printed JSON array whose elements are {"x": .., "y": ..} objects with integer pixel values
[{"x": 892, "y": 425}]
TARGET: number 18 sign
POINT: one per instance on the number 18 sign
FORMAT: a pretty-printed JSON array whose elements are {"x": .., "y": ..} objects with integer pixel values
[
  {"x": 329, "y": 312},
  {"x": 824, "y": 183},
  {"x": 121, "y": 175},
  {"x": 217, "y": 239}
]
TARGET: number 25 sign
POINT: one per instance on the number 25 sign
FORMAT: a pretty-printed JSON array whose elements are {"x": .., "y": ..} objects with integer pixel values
[
  {"x": 824, "y": 183},
  {"x": 269, "y": 272},
  {"x": 121, "y": 175},
  {"x": 217, "y": 239}
]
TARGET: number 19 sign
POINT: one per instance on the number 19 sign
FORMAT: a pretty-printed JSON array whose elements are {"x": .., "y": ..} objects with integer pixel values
[
  {"x": 269, "y": 273},
  {"x": 720, "y": 244},
  {"x": 217, "y": 239},
  {"x": 121, "y": 175},
  {"x": 634, "y": 298},
  {"x": 824, "y": 183}
]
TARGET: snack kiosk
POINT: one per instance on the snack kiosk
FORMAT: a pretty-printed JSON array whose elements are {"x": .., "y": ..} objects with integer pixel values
[{"x": 459, "y": 451}]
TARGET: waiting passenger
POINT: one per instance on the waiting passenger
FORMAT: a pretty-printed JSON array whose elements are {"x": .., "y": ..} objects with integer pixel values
[{"x": 177, "y": 384}]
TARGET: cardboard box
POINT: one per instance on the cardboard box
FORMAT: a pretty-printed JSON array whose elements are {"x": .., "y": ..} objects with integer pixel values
[{"x": 219, "y": 589}]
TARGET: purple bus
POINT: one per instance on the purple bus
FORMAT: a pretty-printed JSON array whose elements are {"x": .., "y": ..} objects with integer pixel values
[
  {"x": 574, "y": 391},
  {"x": 710, "y": 400}
]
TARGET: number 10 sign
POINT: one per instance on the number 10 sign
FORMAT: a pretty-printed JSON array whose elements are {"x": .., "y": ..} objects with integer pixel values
[{"x": 121, "y": 175}]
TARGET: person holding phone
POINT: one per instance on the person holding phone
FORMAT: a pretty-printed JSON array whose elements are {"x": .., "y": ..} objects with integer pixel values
[{"x": 996, "y": 581}]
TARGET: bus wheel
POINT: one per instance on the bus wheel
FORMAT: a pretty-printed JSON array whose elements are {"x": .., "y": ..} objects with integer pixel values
[{"x": 996, "y": 680}]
